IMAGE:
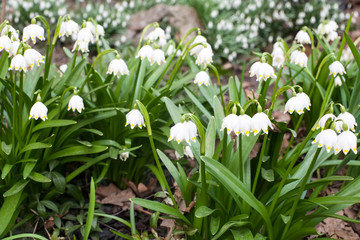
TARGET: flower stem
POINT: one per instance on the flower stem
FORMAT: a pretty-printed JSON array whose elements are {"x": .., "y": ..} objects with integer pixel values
[
  {"x": 301, "y": 190},
  {"x": 14, "y": 118},
  {"x": 219, "y": 82},
  {"x": 258, "y": 168},
  {"x": 241, "y": 164},
  {"x": 21, "y": 107}
]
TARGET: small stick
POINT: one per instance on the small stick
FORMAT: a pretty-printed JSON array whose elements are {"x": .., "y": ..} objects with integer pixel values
[{"x": 3, "y": 10}]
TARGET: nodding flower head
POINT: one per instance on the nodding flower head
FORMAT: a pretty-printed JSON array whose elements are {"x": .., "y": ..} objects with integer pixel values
[
  {"x": 202, "y": 77},
  {"x": 346, "y": 118},
  {"x": 294, "y": 104},
  {"x": 185, "y": 131},
  {"x": 158, "y": 57},
  {"x": 118, "y": 67},
  {"x": 32, "y": 58},
  {"x": 205, "y": 56},
  {"x": 299, "y": 58},
  {"x": 38, "y": 110},
  {"x": 145, "y": 52},
  {"x": 324, "y": 119},
  {"x": 68, "y": 28},
  {"x": 133, "y": 118},
  {"x": 32, "y": 32},
  {"x": 262, "y": 71},
  {"x": 327, "y": 139},
  {"x": 76, "y": 103},
  {"x": 18, "y": 63},
  {"x": 197, "y": 49},
  {"x": 336, "y": 68},
  {"x": 303, "y": 37},
  {"x": 346, "y": 141},
  {"x": 260, "y": 121}
]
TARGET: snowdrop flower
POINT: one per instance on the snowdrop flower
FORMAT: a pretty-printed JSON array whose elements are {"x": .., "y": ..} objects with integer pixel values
[
  {"x": 278, "y": 60},
  {"x": 324, "y": 119},
  {"x": 145, "y": 51},
  {"x": 14, "y": 47},
  {"x": 304, "y": 98},
  {"x": 188, "y": 153},
  {"x": 336, "y": 68},
  {"x": 299, "y": 58},
  {"x": 338, "y": 81},
  {"x": 327, "y": 28},
  {"x": 202, "y": 78},
  {"x": 83, "y": 46},
  {"x": 84, "y": 37},
  {"x": 205, "y": 56},
  {"x": 346, "y": 55},
  {"x": 262, "y": 71},
  {"x": 5, "y": 43},
  {"x": 346, "y": 141},
  {"x": 100, "y": 30},
  {"x": 33, "y": 57},
  {"x": 18, "y": 63},
  {"x": 124, "y": 156},
  {"x": 170, "y": 50},
  {"x": 38, "y": 110},
  {"x": 185, "y": 131},
  {"x": 231, "y": 123},
  {"x": 244, "y": 125},
  {"x": 134, "y": 117},
  {"x": 9, "y": 28},
  {"x": 303, "y": 37},
  {"x": 327, "y": 138},
  {"x": 157, "y": 33},
  {"x": 294, "y": 104},
  {"x": 260, "y": 121},
  {"x": 32, "y": 32},
  {"x": 332, "y": 36},
  {"x": 158, "y": 57},
  {"x": 76, "y": 102},
  {"x": 118, "y": 67},
  {"x": 348, "y": 119},
  {"x": 197, "y": 49},
  {"x": 68, "y": 28}
]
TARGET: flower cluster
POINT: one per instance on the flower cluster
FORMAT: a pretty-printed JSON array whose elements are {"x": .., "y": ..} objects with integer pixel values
[
  {"x": 328, "y": 28},
  {"x": 298, "y": 103},
  {"x": 262, "y": 70},
  {"x": 299, "y": 58}
]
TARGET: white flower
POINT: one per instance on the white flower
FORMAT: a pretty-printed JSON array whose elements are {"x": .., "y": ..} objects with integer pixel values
[
  {"x": 117, "y": 67},
  {"x": 278, "y": 60},
  {"x": 162, "y": 42},
  {"x": 76, "y": 102},
  {"x": 38, "y": 110},
  {"x": 327, "y": 138},
  {"x": 63, "y": 68},
  {"x": 157, "y": 33},
  {"x": 83, "y": 46},
  {"x": 303, "y": 37},
  {"x": 294, "y": 104},
  {"x": 100, "y": 30},
  {"x": 9, "y": 28},
  {"x": 260, "y": 121},
  {"x": 336, "y": 68},
  {"x": 84, "y": 37},
  {"x": 346, "y": 141},
  {"x": 124, "y": 156},
  {"x": 346, "y": 118},
  {"x": 18, "y": 63},
  {"x": 197, "y": 49},
  {"x": 262, "y": 71},
  {"x": 304, "y": 98},
  {"x": 299, "y": 58},
  {"x": 158, "y": 57},
  {"x": 244, "y": 124},
  {"x": 205, "y": 56},
  {"x": 346, "y": 55},
  {"x": 33, "y": 57},
  {"x": 338, "y": 81},
  {"x": 5, "y": 43},
  {"x": 331, "y": 26},
  {"x": 185, "y": 131},
  {"x": 134, "y": 117},
  {"x": 188, "y": 153},
  {"x": 332, "y": 36},
  {"x": 231, "y": 123},
  {"x": 32, "y": 32},
  {"x": 202, "y": 78},
  {"x": 145, "y": 52},
  {"x": 170, "y": 50},
  {"x": 323, "y": 120},
  {"x": 14, "y": 47},
  {"x": 68, "y": 28}
]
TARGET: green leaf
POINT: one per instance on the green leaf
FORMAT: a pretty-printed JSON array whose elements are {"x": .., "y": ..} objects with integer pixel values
[
  {"x": 35, "y": 145},
  {"x": 214, "y": 224},
  {"x": 156, "y": 206},
  {"x": 50, "y": 205},
  {"x": 172, "y": 109},
  {"x": 25, "y": 235},
  {"x": 77, "y": 150},
  {"x": 203, "y": 211},
  {"x": 114, "y": 218},
  {"x": 336, "y": 200},
  {"x": 53, "y": 123},
  {"x": 37, "y": 177},
  {"x": 154, "y": 219},
  {"x": 59, "y": 181},
  {"x": 210, "y": 137},
  {"x": 233, "y": 93},
  {"x": 28, "y": 169},
  {"x": 91, "y": 210},
  {"x": 219, "y": 115},
  {"x": 268, "y": 175},
  {"x": 258, "y": 236},
  {"x": 17, "y": 187},
  {"x": 9, "y": 207},
  {"x": 227, "y": 226},
  {"x": 6, "y": 148},
  {"x": 285, "y": 218},
  {"x": 242, "y": 233},
  {"x": 198, "y": 104},
  {"x": 6, "y": 169}
]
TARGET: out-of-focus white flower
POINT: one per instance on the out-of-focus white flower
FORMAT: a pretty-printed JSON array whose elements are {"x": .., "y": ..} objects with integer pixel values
[
  {"x": 33, "y": 57},
  {"x": 118, "y": 67},
  {"x": 299, "y": 58},
  {"x": 100, "y": 29},
  {"x": 260, "y": 121},
  {"x": 170, "y": 50},
  {"x": 303, "y": 37},
  {"x": 157, "y": 33},
  {"x": 294, "y": 104},
  {"x": 14, "y": 34},
  {"x": 185, "y": 131},
  {"x": 338, "y": 81},
  {"x": 83, "y": 46},
  {"x": 324, "y": 119},
  {"x": 346, "y": 141},
  {"x": 327, "y": 138},
  {"x": 124, "y": 156},
  {"x": 187, "y": 152},
  {"x": 134, "y": 117},
  {"x": 38, "y": 110},
  {"x": 5, "y": 43},
  {"x": 346, "y": 54},
  {"x": 14, "y": 47},
  {"x": 32, "y": 32},
  {"x": 304, "y": 98},
  {"x": 278, "y": 60},
  {"x": 262, "y": 71},
  {"x": 231, "y": 123},
  {"x": 202, "y": 78},
  {"x": 158, "y": 57},
  {"x": 63, "y": 68},
  {"x": 197, "y": 49},
  {"x": 76, "y": 102},
  {"x": 145, "y": 52},
  {"x": 68, "y": 28},
  {"x": 336, "y": 68},
  {"x": 346, "y": 118},
  {"x": 332, "y": 36},
  {"x": 327, "y": 28},
  {"x": 205, "y": 56},
  {"x": 84, "y": 37},
  {"x": 18, "y": 63}
]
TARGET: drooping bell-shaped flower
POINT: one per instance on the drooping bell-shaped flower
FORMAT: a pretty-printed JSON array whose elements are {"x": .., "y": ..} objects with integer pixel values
[
  {"x": 145, "y": 52},
  {"x": 336, "y": 68},
  {"x": 338, "y": 81},
  {"x": 304, "y": 98},
  {"x": 18, "y": 63},
  {"x": 13, "y": 32},
  {"x": 84, "y": 37},
  {"x": 76, "y": 103},
  {"x": 299, "y": 58},
  {"x": 244, "y": 124},
  {"x": 260, "y": 121},
  {"x": 327, "y": 139},
  {"x": 32, "y": 32},
  {"x": 346, "y": 118},
  {"x": 202, "y": 77},
  {"x": 262, "y": 71},
  {"x": 303, "y": 37},
  {"x": 133, "y": 118},
  {"x": 38, "y": 110},
  {"x": 346, "y": 141},
  {"x": 324, "y": 119},
  {"x": 294, "y": 104},
  {"x": 197, "y": 49},
  {"x": 14, "y": 48},
  {"x": 92, "y": 28},
  {"x": 158, "y": 57},
  {"x": 68, "y": 28},
  {"x": 231, "y": 123},
  {"x": 185, "y": 131},
  {"x": 5, "y": 43},
  {"x": 32, "y": 58},
  {"x": 205, "y": 56},
  {"x": 157, "y": 33},
  {"x": 118, "y": 67}
]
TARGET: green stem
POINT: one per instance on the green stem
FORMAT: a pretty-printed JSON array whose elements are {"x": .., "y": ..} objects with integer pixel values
[
  {"x": 74, "y": 58},
  {"x": 14, "y": 118},
  {"x": 273, "y": 97},
  {"x": 241, "y": 164},
  {"x": 301, "y": 190},
  {"x": 219, "y": 82},
  {"x": 258, "y": 168},
  {"x": 21, "y": 107}
]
